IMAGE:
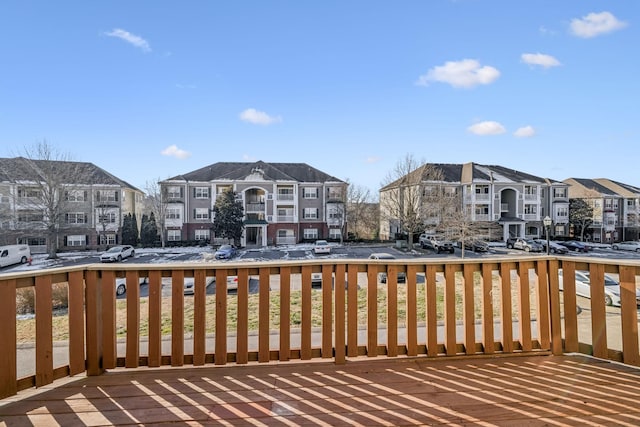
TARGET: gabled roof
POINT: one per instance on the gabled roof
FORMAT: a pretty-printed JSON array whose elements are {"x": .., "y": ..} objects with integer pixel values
[
  {"x": 624, "y": 190},
  {"x": 79, "y": 173},
  {"x": 238, "y": 171},
  {"x": 468, "y": 173},
  {"x": 581, "y": 186}
]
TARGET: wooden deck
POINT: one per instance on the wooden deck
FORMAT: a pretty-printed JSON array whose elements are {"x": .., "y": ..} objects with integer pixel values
[{"x": 513, "y": 390}]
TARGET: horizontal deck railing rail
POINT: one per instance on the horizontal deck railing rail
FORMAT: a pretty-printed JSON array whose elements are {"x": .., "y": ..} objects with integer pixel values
[{"x": 439, "y": 308}]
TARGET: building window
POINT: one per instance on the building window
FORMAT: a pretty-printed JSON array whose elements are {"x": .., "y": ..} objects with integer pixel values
[
  {"x": 107, "y": 196},
  {"x": 201, "y": 192},
  {"x": 76, "y": 240},
  {"x": 30, "y": 217},
  {"x": 482, "y": 209},
  {"x": 482, "y": 189},
  {"x": 31, "y": 193},
  {"x": 285, "y": 193},
  {"x": 310, "y": 193},
  {"x": 334, "y": 213},
  {"x": 530, "y": 209},
  {"x": 75, "y": 196},
  {"x": 559, "y": 230},
  {"x": 310, "y": 233},
  {"x": 32, "y": 241},
  {"x": 174, "y": 192},
  {"x": 107, "y": 217},
  {"x": 310, "y": 213},
  {"x": 202, "y": 234},
  {"x": 75, "y": 218},
  {"x": 560, "y": 193},
  {"x": 108, "y": 239},
  {"x": 335, "y": 193},
  {"x": 201, "y": 213},
  {"x": 562, "y": 212},
  {"x": 335, "y": 233},
  {"x": 173, "y": 213},
  {"x": 174, "y": 235}
]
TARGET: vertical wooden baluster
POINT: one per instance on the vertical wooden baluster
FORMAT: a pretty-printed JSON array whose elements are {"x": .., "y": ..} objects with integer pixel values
[
  {"x": 525, "y": 306},
  {"x": 412, "y": 315},
  {"x": 8, "y": 339},
  {"x": 108, "y": 295},
  {"x": 177, "y": 318},
  {"x": 199, "y": 316},
  {"x": 340, "y": 348},
  {"x": 372, "y": 310},
  {"x": 264, "y": 316},
  {"x": 76, "y": 323},
  {"x": 488, "y": 339},
  {"x": 285, "y": 313},
  {"x": 242, "y": 343},
  {"x": 44, "y": 331},
  {"x": 220, "y": 355},
  {"x": 155, "y": 318},
  {"x": 133, "y": 320}
]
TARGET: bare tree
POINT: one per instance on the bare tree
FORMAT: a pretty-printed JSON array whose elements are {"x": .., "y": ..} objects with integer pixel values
[
  {"x": 360, "y": 210},
  {"x": 158, "y": 202},
  {"x": 406, "y": 202},
  {"x": 44, "y": 178}
]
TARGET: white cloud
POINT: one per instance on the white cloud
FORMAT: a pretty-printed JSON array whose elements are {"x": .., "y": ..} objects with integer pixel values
[
  {"x": 544, "y": 61},
  {"x": 595, "y": 24},
  {"x": 487, "y": 128},
  {"x": 372, "y": 159},
  {"x": 525, "y": 132},
  {"x": 137, "y": 41},
  {"x": 248, "y": 158},
  {"x": 466, "y": 73},
  {"x": 174, "y": 151},
  {"x": 251, "y": 115}
]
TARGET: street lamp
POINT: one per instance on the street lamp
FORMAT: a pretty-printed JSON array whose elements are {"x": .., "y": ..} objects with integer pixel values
[{"x": 547, "y": 223}]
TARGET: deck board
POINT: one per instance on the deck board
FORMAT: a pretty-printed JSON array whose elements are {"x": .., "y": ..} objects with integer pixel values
[{"x": 527, "y": 390}]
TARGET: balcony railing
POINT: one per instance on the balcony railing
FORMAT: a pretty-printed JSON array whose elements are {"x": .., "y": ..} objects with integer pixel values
[
  {"x": 445, "y": 308},
  {"x": 254, "y": 207}
]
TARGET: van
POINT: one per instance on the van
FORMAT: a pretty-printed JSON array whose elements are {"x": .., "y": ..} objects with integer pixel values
[{"x": 14, "y": 254}]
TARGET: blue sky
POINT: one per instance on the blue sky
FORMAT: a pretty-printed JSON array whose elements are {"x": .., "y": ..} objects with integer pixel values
[{"x": 149, "y": 90}]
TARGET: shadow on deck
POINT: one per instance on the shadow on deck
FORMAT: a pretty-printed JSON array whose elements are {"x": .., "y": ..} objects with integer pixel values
[{"x": 532, "y": 390}]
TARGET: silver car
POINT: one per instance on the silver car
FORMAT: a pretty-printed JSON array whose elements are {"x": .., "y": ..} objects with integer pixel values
[
  {"x": 118, "y": 253},
  {"x": 611, "y": 287},
  {"x": 627, "y": 246}
]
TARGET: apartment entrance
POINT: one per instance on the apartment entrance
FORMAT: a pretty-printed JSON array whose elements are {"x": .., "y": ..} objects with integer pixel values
[{"x": 254, "y": 236}]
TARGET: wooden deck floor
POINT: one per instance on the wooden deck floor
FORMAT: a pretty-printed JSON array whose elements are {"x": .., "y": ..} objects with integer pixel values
[{"x": 532, "y": 390}]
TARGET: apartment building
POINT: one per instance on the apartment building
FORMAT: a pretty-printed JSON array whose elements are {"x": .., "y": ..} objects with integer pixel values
[
  {"x": 516, "y": 201},
  {"x": 616, "y": 208},
  {"x": 284, "y": 203},
  {"x": 63, "y": 205}
]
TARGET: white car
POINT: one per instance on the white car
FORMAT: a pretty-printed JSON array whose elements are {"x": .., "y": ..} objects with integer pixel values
[
  {"x": 321, "y": 247},
  {"x": 121, "y": 284},
  {"x": 611, "y": 287},
  {"x": 627, "y": 246},
  {"x": 118, "y": 253}
]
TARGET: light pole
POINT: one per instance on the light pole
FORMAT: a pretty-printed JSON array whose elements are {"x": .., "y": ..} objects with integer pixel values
[{"x": 547, "y": 223}]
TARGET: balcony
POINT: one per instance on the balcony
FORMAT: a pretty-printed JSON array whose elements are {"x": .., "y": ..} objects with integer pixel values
[
  {"x": 462, "y": 341},
  {"x": 254, "y": 207}
]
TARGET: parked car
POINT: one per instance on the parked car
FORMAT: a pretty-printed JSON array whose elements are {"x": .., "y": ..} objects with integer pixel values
[
  {"x": 121, "y": 284},
  {"x": 321, "y": 247},
  {"x": 189, "y": 284},
  {"x": 474, "y": 245},
  {"x": 574, "y": 245},
  {"x": 527, "y": 245},
  {"x": 431, "y": 241},
  {"x": 117, "y": 253},
  {"x": 554, "y": 247},
  {"x": 382, "y": 277},
  {"x": 226, "y": 252},
  {"x": 611, "y": 287},
  {"x": 627, "y": 246}
]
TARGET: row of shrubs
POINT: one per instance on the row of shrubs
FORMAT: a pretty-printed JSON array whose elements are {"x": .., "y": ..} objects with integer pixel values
[{"x": 26, "y": 298}]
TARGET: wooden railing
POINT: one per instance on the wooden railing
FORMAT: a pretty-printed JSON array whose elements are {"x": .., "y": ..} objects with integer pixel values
[{"x": 442, "y": 308}]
